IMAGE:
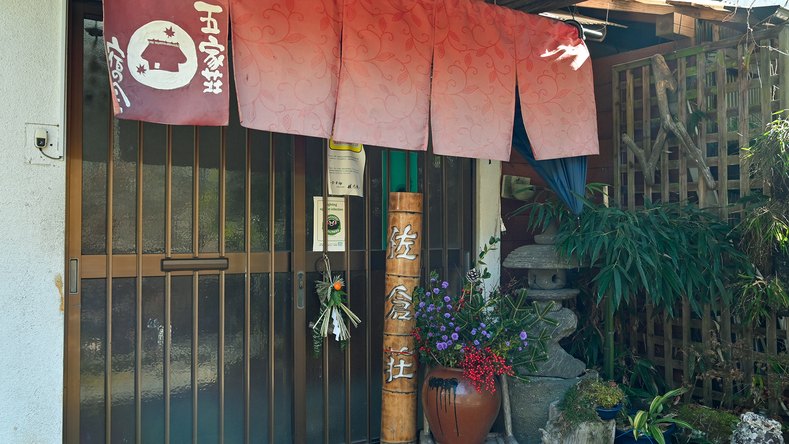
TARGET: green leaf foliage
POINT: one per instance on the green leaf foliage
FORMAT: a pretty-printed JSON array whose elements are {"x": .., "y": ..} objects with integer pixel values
[{"x": 663, "y": 252}]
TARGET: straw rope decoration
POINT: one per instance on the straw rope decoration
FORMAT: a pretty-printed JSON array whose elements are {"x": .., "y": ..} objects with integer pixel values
[{"x": 332, "y": 298}]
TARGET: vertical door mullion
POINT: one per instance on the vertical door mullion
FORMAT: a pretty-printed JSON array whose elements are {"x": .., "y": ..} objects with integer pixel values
[
  {"x": 221, "y": 352},
  {"x": 195, "y": 277},
  {"x": 74, "y": 225},
  {"x": 247, "y": 279},
  {"x": 347, "y": 354},
  {"x": 426, "y": 165},
  {"x": 299, "y": 317},
  {"x": 368, "y": 211},
  {"x": 168, "y": 250},
  {"x": 444, "y": 221},
  {"x": 272, "y": 268},
  {"x": 325, "y": 231},
  {"x": 108, "y": 282},
  {"x": 138, "y": 292}
]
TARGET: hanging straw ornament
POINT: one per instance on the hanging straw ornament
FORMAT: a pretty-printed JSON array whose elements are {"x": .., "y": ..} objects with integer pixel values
[{"x": 329, "y": 290}]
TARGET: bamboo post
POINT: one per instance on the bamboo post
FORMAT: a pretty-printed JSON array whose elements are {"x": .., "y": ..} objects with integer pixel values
[
  {"x": 403, "y": 264},
  {"x": 608, "y": 347}
]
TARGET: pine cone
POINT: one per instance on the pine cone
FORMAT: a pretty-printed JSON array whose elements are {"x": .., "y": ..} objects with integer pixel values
[{"x": 472, "y": 275}]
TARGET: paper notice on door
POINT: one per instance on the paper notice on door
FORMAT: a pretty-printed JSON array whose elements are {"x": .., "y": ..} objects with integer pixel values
[
  {"x": 335, "y": 223},
  {"x": 346, "y": 169}
]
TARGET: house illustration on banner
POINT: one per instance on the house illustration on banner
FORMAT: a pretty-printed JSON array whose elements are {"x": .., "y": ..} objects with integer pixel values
[{"x": 163, "y": 55}]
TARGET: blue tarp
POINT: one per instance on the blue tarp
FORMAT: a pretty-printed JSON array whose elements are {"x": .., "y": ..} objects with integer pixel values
[{"x": 562, "y": 175}]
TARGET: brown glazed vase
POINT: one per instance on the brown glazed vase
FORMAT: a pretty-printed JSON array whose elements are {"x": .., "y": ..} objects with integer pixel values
[{"x": 456, "y": 411}]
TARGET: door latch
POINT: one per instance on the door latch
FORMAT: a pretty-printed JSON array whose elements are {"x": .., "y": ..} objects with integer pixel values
[{"x": 300, "y": 293}]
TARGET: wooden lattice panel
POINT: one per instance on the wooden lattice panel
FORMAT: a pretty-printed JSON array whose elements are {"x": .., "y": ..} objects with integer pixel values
[
  {"x": 728, "y": 90},
  {"x": 748, "y": 72}
]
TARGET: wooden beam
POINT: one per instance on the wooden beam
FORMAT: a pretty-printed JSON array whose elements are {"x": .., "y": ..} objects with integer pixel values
[
  {"x": 536, "y": 6},
  {"x": 675, "y": 26},
  {"x": 696, "y": 12}
]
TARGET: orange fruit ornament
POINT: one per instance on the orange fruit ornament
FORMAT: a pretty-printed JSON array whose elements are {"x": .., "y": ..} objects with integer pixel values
[{"x": 337, "y": 286}]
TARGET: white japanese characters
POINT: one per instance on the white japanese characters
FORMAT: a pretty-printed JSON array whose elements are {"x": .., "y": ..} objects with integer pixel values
[
  {"x": 403, "y": 242},
  {"x": 211, "y": 47},
  {"x": 115, "y": 57},
  {"x": 401, "y": 304},
  {"x": 397, "y": 371}
]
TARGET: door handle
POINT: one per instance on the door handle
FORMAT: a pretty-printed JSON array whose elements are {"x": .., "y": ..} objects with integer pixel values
[
  {"x": 300, "y": 292},
  {"x": 73, "y": 276}
]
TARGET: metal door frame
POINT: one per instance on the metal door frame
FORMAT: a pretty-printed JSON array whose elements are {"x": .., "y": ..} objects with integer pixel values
[{"x": 246, "y": 263}]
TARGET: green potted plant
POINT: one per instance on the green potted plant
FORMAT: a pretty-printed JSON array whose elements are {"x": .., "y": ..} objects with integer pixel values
[
  {"x": 652, "y": 425},
  {"x": 710, "y": 425},
  {"x": 590, "y": 399},
  {"x": 469, "y": 338},
  {"x": 607, "y": 398}
]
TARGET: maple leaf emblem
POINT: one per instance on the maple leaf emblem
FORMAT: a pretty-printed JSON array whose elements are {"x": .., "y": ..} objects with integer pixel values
[
  {"x": 169, "y": 31},
  {"x": 141, "y": 69}
]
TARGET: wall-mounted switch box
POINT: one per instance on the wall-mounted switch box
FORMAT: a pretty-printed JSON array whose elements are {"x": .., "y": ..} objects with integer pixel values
[{"x": 42, "y": 144}]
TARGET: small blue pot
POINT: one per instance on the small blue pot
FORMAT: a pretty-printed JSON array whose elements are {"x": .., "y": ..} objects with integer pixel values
[
  {"x": 627, "y": 437},
  {"x": 608, "y": 414}
]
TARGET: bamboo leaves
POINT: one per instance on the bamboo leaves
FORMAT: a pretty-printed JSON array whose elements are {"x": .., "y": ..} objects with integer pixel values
[{"x": 663, "y": 252}]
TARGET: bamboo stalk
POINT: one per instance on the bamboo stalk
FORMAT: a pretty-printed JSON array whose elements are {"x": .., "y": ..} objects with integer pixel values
[{"x": 403, "y": 268}]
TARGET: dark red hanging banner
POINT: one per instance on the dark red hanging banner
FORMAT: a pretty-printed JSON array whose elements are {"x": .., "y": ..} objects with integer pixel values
[{"x": 168, "y": 61}]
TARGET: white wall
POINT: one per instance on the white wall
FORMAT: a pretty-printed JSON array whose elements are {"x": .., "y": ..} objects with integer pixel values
[
  {"x": 487, "y": 220},
  {"x": 32, "y": 222}
]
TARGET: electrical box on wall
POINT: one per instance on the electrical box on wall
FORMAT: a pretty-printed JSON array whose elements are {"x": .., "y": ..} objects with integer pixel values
[{"x": 42, "y": 144}]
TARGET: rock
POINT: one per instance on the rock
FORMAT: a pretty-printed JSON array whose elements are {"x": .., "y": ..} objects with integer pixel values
[
  {"x": 537, "y": 256},
  {"x": 548, "y": 235},
  {"x": 560, "y": 364},
  {"x": 585, "y": 433},
  {"x": 530, "y": 404},
  {"x": 756, "y": 429},
  {"x": 547, "y": 278}
]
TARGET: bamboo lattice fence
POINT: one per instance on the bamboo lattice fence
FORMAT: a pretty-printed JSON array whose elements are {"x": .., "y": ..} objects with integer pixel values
[{"x": 727, "y": 92}]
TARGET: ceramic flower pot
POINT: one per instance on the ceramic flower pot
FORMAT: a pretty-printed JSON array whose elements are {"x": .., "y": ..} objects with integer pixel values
[
  {"x": 627, "y": 437},
  {"x": 456, "y": 411},
  {"x": 608, "y": 414}
]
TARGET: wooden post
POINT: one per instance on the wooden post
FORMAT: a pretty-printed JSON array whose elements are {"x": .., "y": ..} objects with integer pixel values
[{"x": 403, "y": 264}]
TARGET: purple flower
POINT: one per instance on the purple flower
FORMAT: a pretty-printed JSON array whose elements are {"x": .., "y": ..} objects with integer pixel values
[
  {"x": 445, "y": 284},
  {"x": 449, "y": 342},
  {"x": 430, "y": 334},
  {"x": 421, "y": 305},
  {"x": 525, "y": 343},
  {"x": 473, "y": 331},
  {"x": 444, "y": 337},
  {"x": 482, "y": 325},
  {"x": 440, "y": 345},
  {"x": 519, "y": 349},
  {"x": 457, "y": 328},
  {"x": 476, "y": 342},
  {"x": 484, "y": 333},
  {"x": 447, "y": 299},
  {"x": 523, "y": 335},
  {"x": 431, "y": 307},
  {"x": 436, "y": 291},
  {"x": 430, "y": 318},
  {"x": 508, "y": 343},
  {"x": 451, "y": 324},
  {"x": 432, "y": 279},
  {"x": 488, "y": 335},
  {"x": 449, "y": 307},
  {"x": 443, "y": 328},
  {"x": 447, "y": 315},
  {"x": 454, "y": 336},
  {"x": 433, "y": 325}
]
